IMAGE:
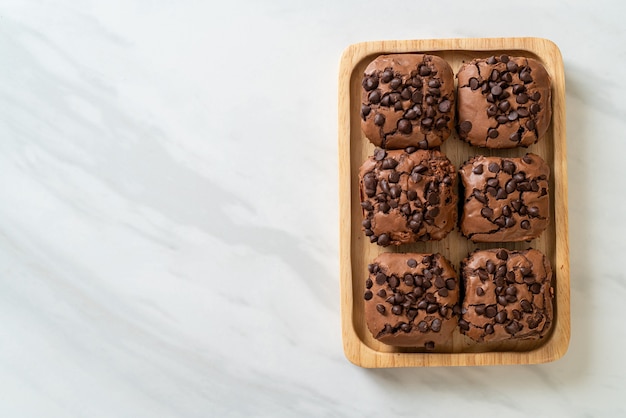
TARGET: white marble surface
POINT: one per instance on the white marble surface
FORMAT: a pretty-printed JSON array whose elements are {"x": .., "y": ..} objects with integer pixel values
[{"x": 168, "y": 211}]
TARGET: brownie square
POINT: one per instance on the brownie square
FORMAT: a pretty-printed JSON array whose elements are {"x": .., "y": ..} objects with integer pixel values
[
  {"x": 407, "y": 100},
  {"x": 506, "y": 199},
  {"x": 508, "y": 295},
  {"x": 412, "y": 300},
  {"x": 503, "y": 102},
  {"x": 407, "y": 196}
]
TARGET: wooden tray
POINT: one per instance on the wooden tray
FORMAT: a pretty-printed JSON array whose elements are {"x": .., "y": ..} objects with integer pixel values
[{"x": 356, "y": 251}]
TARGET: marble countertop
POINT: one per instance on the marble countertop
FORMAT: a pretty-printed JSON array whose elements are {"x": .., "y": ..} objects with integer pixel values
[{"x": 169, "y": 220}]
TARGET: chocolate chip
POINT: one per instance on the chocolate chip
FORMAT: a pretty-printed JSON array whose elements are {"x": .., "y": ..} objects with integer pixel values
[
  {"x": 411, "y": 194},
  {"x": 522, "y": 98},
  {"x": 389, "y": 164},
  {"x": 492, "y": 110},
  {"x": 501, "y": 317},
  {"x": 396, "y": 310},
  {"x": 478, "y": 195},
  {"x": 533, "y": 211},
  {"x": 394, "y": 177},
  {"x": 491, "y": 311},
  {"x": 496, "y": 90},
  {"x": 408, "y": 280},
  {"x": 473, "y": 83},
  {"x": 491, "y": 267},
  {"x": 379, "y": 119},
  {"x": 382, "y": 293},
  {"x": 379, "y": 154},
  {"x": 502, "y": 119},
  {"x": 491, "y": 60},
  {"x": 523, "y": 112},
  {"x": 395, "y": 83},
  {"x": 435, "y": 326},
  {"x": 374, "y": 97},
  {"x": 502, "y": 255},
  {"x": 525, "y": 76},
  {"x": 480, "y": 291},
  {"x": 535, "y": 96},
  {"x": 370, "y": 83},
  {"x": 424, "y": 70},
  {"x": 383, "y": 240},
  {"x": 441, "y": 123},
  {"x": 525, "y": 224},
  {"x": 492, "y": 133},
  {"x": 386, "y": 76},
  {"x": 494, "y": 168},
  {"x": 405, "y": 126},
  {"x": 530, "y": 125},
  {"x": 535, "y": 288},
  {"x": 380, "y": 308},
  {"x": 368, "y": 295},
  {"x": 486, "y": 212},
  {"x": 508, "y": 166},
  {"x": 384, "y": 207},
  {"x": 381, "y": 279},
  {"x": 422, "y": 326},
  {"x": 369, "y": 283},
  {"x": 526, "y": 306},
  {"x": 514, "y": 137},
  {"x": 511, "y": 66},
  {"x": 504, "y": 106},
  {"x": 445, "y": 106},
  {"x": 513, "y": 115},
  {"x": 478, "y": 169},
  {"x": 465, "y": 126},
  {"x": 534, "y": 108},
  {"x": 432, "y": 308}
]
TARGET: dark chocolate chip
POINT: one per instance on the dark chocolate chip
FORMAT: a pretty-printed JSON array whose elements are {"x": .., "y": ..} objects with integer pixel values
[
  {"x": 501, "y": 317},
  {"x": 525, "y": 224},
  {"x": 368, "y": 295},
  {"x": 478, "y": 169},
  {"x": 389, "y": 164},
  {"x": 383, "y": 240},
  {"x": 370, "y": 83},
  {"x": 491, "y": 60},
  {"x": 435, "y": 326},
  {"x": 522, "y": 98},
  {"x": 493, "y": 182},
  {"x": 473, "y": 83},
  {"x": 369, "y": 283},
  {"x": 508, "y": 166},
  {"x": 394, "y": 177},
  {"x": 513, "y": 115},
  {"x": 381, "y": 279},
  {"x": 379, "y": 119},
  {"x": 533, "y": 211},
  {"x": 445, "y": 106},
  {"x": 432, "y": 308},
  {"x": 525, "y": 76},
  {"x": 494, "y": 168},
  {"x": 526, "y": 306},
  {"x": 478, "y": 195},
  {"x": 514, "y": 137},
  {"x": 411, "y": 194},
  {"x": 491, "y": 311},
  {"x": 465, "y": 126},
  {"x": 424, "y": 70},
  {"x": 523, "y": 112},
  {"x": 380, "y": 308},
  {"x": 395, "y": 83},
  {"x": 417, "y": 97},
  {"x": 480, "y": 291},
  {"x": 486, "y": 212},
  {"x": 374, "y": 97},
  {"x": 396, "y": 310},
  {"x": 496, "y": 90},
  {"x": 492, "y": 110},
  {"x": 491, "y": 267},
  {"x": 534, "y": 108},
  {"x": 530, "y": 125},
  {"x": 405, "y": 126},
  {"x": 535, "y": 288},
  {"x": 382, "y": 293},
  {"x": 464, "y": 325},
  {"x": 492, "y": 133},
  {"x": 502, "y": 255},
  {"x": 422, "y": 326},
  {"x": 379, "y": 154},
  {"x": 411, "y": 263},
  {"x": 386, "y": 76},
  {"x": 511, "y": 66}
]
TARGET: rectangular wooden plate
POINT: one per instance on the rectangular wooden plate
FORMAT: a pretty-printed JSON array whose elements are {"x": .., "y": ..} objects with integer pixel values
[{"x": 356, "y": 251}]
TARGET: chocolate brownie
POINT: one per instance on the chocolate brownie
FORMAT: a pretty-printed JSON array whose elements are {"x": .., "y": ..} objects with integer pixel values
[
  {"x": 411, "y": 300},
  {"x": 407, "y": 196},
  {"x": 503, "y": 102},
  {"x": 506, "y": 199},
  {"x": 508, "y": 295},
  {"x": 407, "y": 100}
]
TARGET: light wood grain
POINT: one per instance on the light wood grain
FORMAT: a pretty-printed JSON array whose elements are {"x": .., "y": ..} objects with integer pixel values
[{"x": 356, "y": 251}]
